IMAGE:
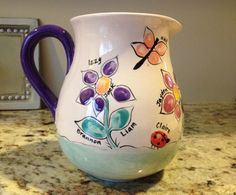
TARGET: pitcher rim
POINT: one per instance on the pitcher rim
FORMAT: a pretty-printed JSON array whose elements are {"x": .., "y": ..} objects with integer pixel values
[{"x": 168, "y": 18}]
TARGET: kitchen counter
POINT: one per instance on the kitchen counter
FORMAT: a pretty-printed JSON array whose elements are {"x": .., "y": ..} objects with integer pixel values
[{"x": 31, "y": 161}]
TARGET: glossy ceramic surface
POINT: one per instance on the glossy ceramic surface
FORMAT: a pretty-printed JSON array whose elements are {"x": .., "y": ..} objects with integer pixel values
[{"x": 119, "y": 114}]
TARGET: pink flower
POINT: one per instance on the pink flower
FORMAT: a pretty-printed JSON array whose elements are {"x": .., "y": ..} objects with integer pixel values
[{"x": 171, "y": 100}]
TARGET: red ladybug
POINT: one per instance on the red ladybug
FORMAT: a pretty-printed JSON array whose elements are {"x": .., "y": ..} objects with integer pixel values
[{"x": 159, "y": 139}]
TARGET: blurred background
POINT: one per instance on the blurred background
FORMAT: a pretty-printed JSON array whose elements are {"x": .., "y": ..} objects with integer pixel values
[{"x": 203, "y": 53}]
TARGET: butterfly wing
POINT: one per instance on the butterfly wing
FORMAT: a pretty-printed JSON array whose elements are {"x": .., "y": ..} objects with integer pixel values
[
  {"x": 148, "y": 37},
  {"x": 161, "y": 48},
  {"x": 154, "y": 58},
  {"x": 140, "y": 49}
]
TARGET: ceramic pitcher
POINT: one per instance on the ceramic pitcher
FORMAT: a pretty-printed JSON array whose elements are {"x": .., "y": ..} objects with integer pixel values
[{"x": 119, "y": 114}]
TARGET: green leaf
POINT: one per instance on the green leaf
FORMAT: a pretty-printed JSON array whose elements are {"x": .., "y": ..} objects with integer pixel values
[
  {"x": 120, "y": 118},
  {"x": 92, "y": 127}
]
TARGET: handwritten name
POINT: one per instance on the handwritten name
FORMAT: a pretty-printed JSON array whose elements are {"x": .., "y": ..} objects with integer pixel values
[
  {"x": 94, "y": 141},
  {"x": 94, "y": 61},
  {"x": 162, "y": 126},
  {"x": 159, "y": 101},
  {"x": 109, "y": 90},
  {"x": 128, "y": 130}
]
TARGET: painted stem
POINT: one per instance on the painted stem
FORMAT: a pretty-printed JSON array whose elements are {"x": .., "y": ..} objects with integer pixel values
[
  {"x": 106, "y": 114},
  {"x": 106, "y": 125},
  {"x": 111, "y": 141}
]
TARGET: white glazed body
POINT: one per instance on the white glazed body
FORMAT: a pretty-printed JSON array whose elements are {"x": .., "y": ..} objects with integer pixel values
[{"x": 100, "y": 38}]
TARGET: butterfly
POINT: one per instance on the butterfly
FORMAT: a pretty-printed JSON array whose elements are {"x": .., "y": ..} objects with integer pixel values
[{"x": 150, "y": 49}]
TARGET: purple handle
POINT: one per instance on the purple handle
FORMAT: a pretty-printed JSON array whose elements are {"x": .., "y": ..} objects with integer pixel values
[{"x": 28, "y": 64}]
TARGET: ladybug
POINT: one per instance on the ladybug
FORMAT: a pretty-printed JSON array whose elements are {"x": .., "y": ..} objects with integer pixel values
[{"x": 159, "y": 139}]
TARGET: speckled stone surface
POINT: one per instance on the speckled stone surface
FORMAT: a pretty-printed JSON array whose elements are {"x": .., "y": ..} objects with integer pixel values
[{"x": 31, "y": 161}]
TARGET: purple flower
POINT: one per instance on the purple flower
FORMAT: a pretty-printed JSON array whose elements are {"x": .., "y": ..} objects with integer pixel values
[{"x": 99, "y": 87}]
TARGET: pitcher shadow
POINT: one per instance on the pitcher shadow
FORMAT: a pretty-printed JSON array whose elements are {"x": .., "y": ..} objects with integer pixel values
[
  {"x": 43, "y": 166},
  {"x": 132, "y": 186}
]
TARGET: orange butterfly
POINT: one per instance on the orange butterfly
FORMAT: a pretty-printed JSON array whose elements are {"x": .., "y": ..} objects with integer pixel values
[{"x": 151, "y": 49}]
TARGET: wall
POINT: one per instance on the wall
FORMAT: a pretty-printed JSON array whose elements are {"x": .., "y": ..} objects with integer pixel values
[{"x": 203, "y": 54}]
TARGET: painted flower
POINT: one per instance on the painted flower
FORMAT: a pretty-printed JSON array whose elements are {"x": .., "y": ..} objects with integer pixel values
[
  {"x": 151, "y": 49},
  {"x": 98, "y": 87},
  {"x": 171, "y": 100}
]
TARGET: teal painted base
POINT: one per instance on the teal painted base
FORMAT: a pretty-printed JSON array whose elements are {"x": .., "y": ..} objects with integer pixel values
[{"x": 118, "y": 164}]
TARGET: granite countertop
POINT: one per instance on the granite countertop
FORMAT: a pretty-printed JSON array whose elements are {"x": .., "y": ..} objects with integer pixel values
[{"x": 31, "y": 161}]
